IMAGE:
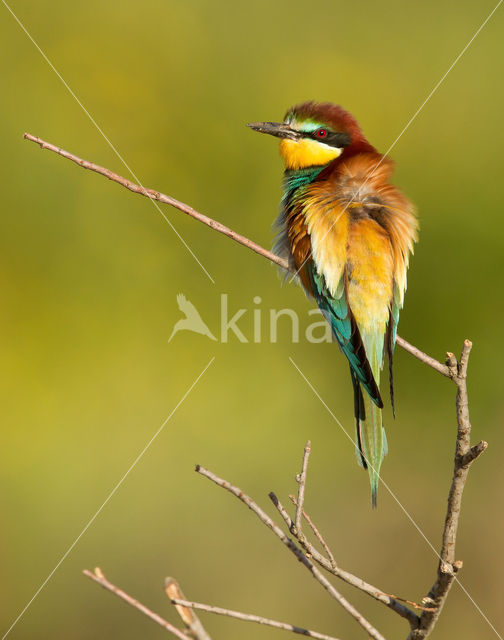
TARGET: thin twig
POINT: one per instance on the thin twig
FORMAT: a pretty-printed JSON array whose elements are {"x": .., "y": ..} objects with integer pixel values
[
  {"x": 210, "y": 222},
  {"x": 248, "y": 617},
  {"x": 301, "y": 480},
  {"x": 420, "y": 607},
  {"x": 100, "y": 579},
  {"x": 306, "y": 562},
  {"x": 464, "y": 456},
  {"x": 281, "y": 510},
  {"x": 423, "y": 357},
  {"x": 316, "y": 532},
  {"x": 193, "y": 624}
]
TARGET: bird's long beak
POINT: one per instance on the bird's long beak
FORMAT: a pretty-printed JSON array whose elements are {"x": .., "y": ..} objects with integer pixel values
[{"x": 278, "y": 129}]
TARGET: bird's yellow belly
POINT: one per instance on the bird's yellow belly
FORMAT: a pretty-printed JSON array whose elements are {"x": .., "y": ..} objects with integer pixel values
[{"x": 370, "y": 274}]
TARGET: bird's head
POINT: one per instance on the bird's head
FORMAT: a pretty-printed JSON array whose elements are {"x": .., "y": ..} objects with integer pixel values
[{"x": 314, "y": 134}]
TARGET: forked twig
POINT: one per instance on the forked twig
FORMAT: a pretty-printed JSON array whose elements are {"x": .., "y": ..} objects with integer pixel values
[
  {"x": 316, "y": 532},
  {"x": 413, "y": 618},
  {"x": 305, "y": 561},
  {"x": 329, "y": 564}
]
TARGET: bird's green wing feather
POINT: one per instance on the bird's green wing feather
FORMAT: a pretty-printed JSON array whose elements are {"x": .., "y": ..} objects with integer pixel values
[{"x": 338, "y": 314}]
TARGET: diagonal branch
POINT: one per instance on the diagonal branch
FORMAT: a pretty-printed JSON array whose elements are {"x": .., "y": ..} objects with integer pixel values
[
  {"x": 305, "y": 561},
  {"x": 213, "y": 224},
  {"x": 160, "y": 197},
  {"x": 100, "y": 579},
  {"x": 249, "y": 617}
]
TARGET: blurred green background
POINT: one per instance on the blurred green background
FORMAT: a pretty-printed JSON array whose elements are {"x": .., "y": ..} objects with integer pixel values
[{"x": 89, "y": 276}]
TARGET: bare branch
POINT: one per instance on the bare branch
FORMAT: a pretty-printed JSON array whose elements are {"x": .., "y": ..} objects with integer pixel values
[
  {"x": 301, "y": 479},
  {"x": 248, "y": 617},
  {"x": 100, "y": 579},
  {"x": 193, "y": 624},
  {"x": 210, "y": 222},
  {"x": 464, "y": 456},
  {"x": 265, "y": 519}
]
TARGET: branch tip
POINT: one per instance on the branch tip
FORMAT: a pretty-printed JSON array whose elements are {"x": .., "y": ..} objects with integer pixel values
[
  {"x": 464, "y": 358},
  {"x": 473, "y": 453}
]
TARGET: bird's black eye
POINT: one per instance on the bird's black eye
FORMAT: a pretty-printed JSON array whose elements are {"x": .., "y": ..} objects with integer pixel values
[{"x": 321, "y": 133}]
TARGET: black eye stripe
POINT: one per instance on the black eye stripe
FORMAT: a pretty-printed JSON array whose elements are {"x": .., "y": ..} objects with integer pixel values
[{"x": 333, "y": 138}]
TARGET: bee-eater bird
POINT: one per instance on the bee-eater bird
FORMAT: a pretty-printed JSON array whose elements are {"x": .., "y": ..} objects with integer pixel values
[{"x": 348, "y": 234}]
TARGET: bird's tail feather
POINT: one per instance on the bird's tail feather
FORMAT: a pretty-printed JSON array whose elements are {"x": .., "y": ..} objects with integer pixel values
[
  {"x": 360, "y": 417},
  {"x": 374, "y": 443},
  {"x": 370, "y": 439}
]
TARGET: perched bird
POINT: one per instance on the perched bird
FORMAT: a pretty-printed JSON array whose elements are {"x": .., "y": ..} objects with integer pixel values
[
  {"x": 192, "y": 320},
  {"x": 347, "y": 233}
]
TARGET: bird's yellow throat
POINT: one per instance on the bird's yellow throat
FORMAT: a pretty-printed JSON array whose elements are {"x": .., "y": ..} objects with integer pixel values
[{"x": 306, "y": 153}]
